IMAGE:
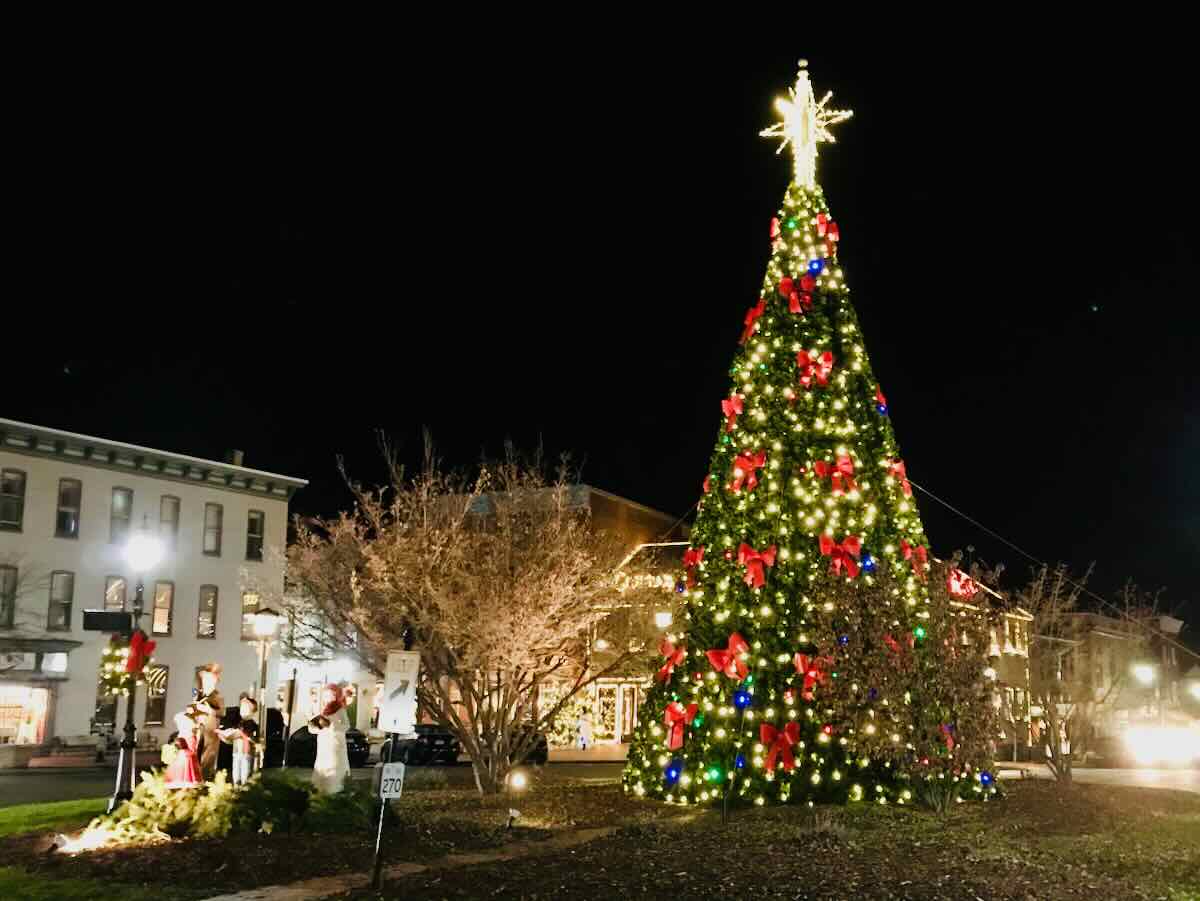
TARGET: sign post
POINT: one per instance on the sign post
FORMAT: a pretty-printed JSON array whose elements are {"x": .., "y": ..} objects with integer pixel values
[{"x": 397, "y": 717}]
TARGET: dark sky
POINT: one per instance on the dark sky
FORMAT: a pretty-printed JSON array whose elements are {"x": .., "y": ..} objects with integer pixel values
[{"x": 283, "y": 254}]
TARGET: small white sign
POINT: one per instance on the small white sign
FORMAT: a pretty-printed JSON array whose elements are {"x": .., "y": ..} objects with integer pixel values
[
  {"x": 398, "y": 705},
  {"x": 391, "y": 780}
]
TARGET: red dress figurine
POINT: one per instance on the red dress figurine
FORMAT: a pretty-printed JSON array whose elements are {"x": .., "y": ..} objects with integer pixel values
[{"x": 184, "y": 771}]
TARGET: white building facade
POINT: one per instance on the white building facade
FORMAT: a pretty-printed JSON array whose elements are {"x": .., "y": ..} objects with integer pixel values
[{"x": 68, "y": 505}]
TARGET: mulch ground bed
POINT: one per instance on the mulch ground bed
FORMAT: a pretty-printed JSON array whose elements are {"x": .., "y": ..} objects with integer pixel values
[
  {"x": 434, "y": 823},
  {"x": 1094, "y": 842}
]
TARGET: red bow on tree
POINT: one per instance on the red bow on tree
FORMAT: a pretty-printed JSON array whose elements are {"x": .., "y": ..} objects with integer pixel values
[
  {"x": 775, "y": 232},
  {"x": 675, "y": 718},
  {"x": 827, "y": 228},
  {"x": 751, "y": 320},
  {"x": 843, "y": 554},
  {"x": 674, "y": 656},
  {"x": 880, "y": 399},
  {"x": 140, "y": 649},
  {"x": 729, "y": 661},
  {"x": 918, "y": 555},
  {"x": 798, "y": 292},
  {"x": 745, "y": 470},
  {"x": 779, "y": 744},
  {"x": 811, "y": 367},
  {"x": 948, "y": 735},
  {"x": 810, "y": 669},
  {"x": 753, "y": 561},
  {"x": 895, "y": 645},
  {"x": 692, "y": 558},
  {"x": 731, "y": 407},
  {"x": 959, "y": 584},
  {"x": 841, "y": 474},
  {"x": 896, "y": 468}
]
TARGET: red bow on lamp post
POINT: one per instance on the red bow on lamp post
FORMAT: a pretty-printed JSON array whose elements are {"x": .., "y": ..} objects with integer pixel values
[
  {"x": 779, "y": 744},
  {"x": 675, "y": 718},
  {"x": 140, "y": 649},
  {"x": 751, "y": 320},
  {"x": 675, "y": 656},
  {"x": 729, "y": 661},
  {"x": 732, "y": 408},
  {"x": 753, "y": 561},
  {"x": 798, "y": 292},
  {"x": 692, "y": 558},
  {"x": 814, "y": 367},
  {"x": 840, "y": 474},
  {"x": 843, "y": 555},
  {"x": 918, "y": 555},
  {"x": 810, "y": 669},
  {"x": 896, "y": 468},
  {"x": 745, "y": 470}
]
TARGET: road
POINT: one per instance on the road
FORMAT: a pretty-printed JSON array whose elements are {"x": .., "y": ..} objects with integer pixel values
[
  {"x": 1180, "y": 780},
  {"x": 30, "y": 786}
]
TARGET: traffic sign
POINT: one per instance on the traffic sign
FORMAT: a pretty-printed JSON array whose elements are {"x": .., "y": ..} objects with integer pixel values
[{"x": 398, "y": 705}]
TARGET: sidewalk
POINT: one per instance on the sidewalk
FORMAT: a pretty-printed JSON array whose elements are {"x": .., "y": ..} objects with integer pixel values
[{"x": 594, "y": 754}]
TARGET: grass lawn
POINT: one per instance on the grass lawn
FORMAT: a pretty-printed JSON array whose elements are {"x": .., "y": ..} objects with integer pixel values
[
  {"x": 1094, "y": 842},
  {"x": 60, "y": 816}
]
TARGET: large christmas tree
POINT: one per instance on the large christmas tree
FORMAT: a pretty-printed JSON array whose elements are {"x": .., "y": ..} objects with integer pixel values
[{"x": 807, "y": 518}]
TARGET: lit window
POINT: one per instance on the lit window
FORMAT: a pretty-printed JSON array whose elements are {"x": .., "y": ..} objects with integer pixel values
[
  {"x": 249, "y": 608},
  {"x": 156, "y": 694},
  {"x": 114, "y": 593},
  {"x": 8, "y": 596},
  {"x": 206, "y": 620},
  {"x": 164, "y": 603}
]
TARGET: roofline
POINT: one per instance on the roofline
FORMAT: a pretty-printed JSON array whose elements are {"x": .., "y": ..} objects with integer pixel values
[
  {"x": 625, "y": 500},
  {"x": 58, "y": 435}
]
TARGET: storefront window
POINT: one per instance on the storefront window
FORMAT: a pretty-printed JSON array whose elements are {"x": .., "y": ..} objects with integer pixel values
[{"x": 23, "y": 714}]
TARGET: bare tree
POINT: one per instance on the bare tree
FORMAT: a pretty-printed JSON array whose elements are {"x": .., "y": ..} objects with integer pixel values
[
  {"x": 497, "y": 578},
  {"x": 1061, "y": 683}
]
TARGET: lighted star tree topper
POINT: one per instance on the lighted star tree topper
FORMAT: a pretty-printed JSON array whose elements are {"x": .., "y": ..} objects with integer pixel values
[{"x": 806, "y": 503}]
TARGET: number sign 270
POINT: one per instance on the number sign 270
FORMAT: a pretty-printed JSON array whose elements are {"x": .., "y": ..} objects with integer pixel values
[{"x": 391, "y": 780}]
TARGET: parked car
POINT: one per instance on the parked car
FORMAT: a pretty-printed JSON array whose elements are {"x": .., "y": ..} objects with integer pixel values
[
  {"x": 302, "y": 748},
  {"x": 432, "y": 744}
]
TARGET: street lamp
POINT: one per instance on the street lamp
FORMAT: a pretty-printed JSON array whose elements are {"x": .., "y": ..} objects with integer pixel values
[
  {"x": 1147, "y": 674},
  {"x": 266, "y": 627},
  {"x": 1144, "y": 673},
  {"x": 143, "y": 551}
]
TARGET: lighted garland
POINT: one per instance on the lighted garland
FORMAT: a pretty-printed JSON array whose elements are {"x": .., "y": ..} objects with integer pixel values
[
  {"x": 117, "y": 677},
  {"x": 806, "y": 499}
]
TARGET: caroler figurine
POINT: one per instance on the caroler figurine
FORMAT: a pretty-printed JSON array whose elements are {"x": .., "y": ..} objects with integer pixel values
[
  {"x": 330, "y": 726},
  {"x": 184, "y": 769},
  {"x": 243, "y": 738}
]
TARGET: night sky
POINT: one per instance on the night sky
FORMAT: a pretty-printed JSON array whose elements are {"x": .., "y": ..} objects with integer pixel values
[{"x": 560, "y": 243}]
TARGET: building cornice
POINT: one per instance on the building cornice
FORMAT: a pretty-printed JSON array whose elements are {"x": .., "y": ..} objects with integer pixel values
[{"x": 101, "y": 453}]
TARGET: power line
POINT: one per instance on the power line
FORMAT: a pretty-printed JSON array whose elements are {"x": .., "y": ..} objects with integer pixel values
[{"x": 1028, "y": 556}]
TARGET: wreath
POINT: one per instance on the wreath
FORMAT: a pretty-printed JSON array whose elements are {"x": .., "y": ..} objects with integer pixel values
[{"x": 123, "y": 662}]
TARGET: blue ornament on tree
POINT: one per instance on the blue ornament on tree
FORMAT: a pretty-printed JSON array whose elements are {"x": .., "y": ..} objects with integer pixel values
[
  {"x": 867, "y": 562},
  {"x": 985, "y": 778},
  {"x": 740, "y": 762},
  {"x": 742, "y": 699},
  {"x": 815, "y": 266},
  {"x": 673, "y": 771},
  {"x": 680, "y": 587}
]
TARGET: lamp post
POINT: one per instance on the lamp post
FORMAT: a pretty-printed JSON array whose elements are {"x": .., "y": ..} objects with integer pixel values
[
  {"x": 266, "y": 627},
  {"x": 142, "y": 553},
  {"x": 1147, "y": 674}
]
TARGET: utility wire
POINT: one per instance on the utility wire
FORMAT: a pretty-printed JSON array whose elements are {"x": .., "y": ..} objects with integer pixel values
[{"x": 1028, "y": 556}]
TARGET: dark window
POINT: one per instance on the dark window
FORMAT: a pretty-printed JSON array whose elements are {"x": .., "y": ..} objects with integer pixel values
[
  {"x": 213, "y": 515},
  {"x": 8, "y": 596},
  {"x": 106, "y": 709},
  {"x": 62, "y": 594},
  {"x": 168, "y": 519},
  {"x": 206, "y": 620},
  {"x": 120, "y": 515},
  {"x": 12, "y": 498},
  {"x": 255, "y": 526},
  {"x": 249, "y": 608},
  {"x": 164, "y": 606},
  {"x": 70, "y": 495},
  {"x": 115, "y": 590},
  {"x": 156, "y": 694}
]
